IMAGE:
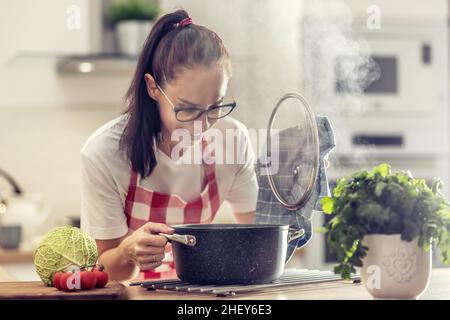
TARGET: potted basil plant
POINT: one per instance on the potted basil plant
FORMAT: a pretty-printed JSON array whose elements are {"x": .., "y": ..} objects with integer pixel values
[
  {"x": 385, "y": 224},
  {"x": 132, "y": 21}
]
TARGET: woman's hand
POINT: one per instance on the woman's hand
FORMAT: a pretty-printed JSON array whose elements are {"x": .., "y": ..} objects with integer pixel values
[{"x": 144, "y": 247}]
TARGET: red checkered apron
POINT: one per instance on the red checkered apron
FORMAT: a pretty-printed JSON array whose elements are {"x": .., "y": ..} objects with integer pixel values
[{"x": 143, "y": 205}]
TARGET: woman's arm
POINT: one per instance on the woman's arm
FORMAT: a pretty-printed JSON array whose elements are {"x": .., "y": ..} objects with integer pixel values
[
  {"x": 245, "y": 218},
  {"x": 141, "y": 249},
  {"x": 112, "y": 257}
]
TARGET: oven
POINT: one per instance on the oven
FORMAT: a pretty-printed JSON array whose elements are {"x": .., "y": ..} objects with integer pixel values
[{"x": 400, "y": 67}]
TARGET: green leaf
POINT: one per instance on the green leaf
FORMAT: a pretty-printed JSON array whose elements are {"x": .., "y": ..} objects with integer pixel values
[
  {"x": 340, "y": 186},
  {"x": 327, "y": 205},
  {"x": 133, "y": 10},
  {"x": 379, "y": 188},
  {"x": 321, "y": 229},
  {"x": 383, "y": 170}
]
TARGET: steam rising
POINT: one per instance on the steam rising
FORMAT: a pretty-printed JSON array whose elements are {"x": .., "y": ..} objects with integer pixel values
[{"x": 332, "y": 51}]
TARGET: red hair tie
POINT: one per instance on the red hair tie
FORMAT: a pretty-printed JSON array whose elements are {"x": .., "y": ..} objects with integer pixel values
[{"x": 185, "y": 22}]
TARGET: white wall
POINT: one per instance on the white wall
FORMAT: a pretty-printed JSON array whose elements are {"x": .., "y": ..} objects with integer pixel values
[
  {"x": 45, "y": 117},
  {"x": 400, "y": 12}
]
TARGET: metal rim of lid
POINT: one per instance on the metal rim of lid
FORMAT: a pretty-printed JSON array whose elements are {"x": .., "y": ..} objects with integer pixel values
[{"x": 315, "y": 138}]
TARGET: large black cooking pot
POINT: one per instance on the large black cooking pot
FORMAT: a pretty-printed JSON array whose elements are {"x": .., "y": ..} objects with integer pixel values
[{"x": 230, "y": 253}]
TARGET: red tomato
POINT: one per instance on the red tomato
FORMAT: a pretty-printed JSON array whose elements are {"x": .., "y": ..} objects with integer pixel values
[
  {"x": 70, "y": 281},
  {"x": 56, "y": 279},
  {"x": 88, "y": 280},
  {"x": 102, "y": 278}
]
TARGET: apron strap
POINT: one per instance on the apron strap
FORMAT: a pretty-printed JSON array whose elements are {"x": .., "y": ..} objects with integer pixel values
[{"x": 135, "y": 179}]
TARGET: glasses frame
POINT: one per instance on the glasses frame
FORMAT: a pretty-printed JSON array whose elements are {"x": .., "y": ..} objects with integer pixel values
[{"x": 201, "y": 111}]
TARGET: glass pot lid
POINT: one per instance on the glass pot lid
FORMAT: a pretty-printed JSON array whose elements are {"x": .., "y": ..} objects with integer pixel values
[{"x": 292, "y": 151}]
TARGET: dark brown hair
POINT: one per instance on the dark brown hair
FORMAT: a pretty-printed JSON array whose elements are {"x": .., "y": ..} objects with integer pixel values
[{"x": 167, "y": 50}]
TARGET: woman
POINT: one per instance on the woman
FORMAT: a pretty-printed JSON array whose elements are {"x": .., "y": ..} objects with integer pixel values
[{"x": 133, "y": 187}]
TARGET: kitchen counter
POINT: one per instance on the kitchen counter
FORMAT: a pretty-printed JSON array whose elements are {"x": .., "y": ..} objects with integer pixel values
[
  {"x": 439, "y": 288},
  {"x": 15, "y": 256}
]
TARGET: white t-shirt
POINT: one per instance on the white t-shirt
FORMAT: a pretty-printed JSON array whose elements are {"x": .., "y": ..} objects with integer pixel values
[{"x": 106, "y": 174}]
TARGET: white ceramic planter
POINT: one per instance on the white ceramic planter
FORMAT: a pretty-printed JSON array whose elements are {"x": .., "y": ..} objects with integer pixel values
[
  {"x": 131, "y": 35},
  {"x": 395, "y": 269}
]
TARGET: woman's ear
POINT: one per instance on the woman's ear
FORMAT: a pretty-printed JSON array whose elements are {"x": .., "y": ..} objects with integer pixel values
[{"x": 152, "y": 88}]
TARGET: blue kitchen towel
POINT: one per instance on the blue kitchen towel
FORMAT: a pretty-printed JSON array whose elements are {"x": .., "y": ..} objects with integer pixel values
[{"x": 268, "y": 209}]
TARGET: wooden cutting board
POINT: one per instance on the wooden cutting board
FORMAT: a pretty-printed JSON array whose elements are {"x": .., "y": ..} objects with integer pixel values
[{"x": 37, "y": 290}]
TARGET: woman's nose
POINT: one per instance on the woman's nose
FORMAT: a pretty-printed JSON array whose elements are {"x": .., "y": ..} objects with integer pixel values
[{"x": 206, "y": 123}]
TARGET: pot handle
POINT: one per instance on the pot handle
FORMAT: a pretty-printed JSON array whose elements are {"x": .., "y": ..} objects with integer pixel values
[
  {"x": 186, "y": 239},
  {"x": 295, "y": 234}
]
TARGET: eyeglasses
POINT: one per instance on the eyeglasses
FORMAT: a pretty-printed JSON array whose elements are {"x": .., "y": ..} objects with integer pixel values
[{"x": 191, "y": 113}]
